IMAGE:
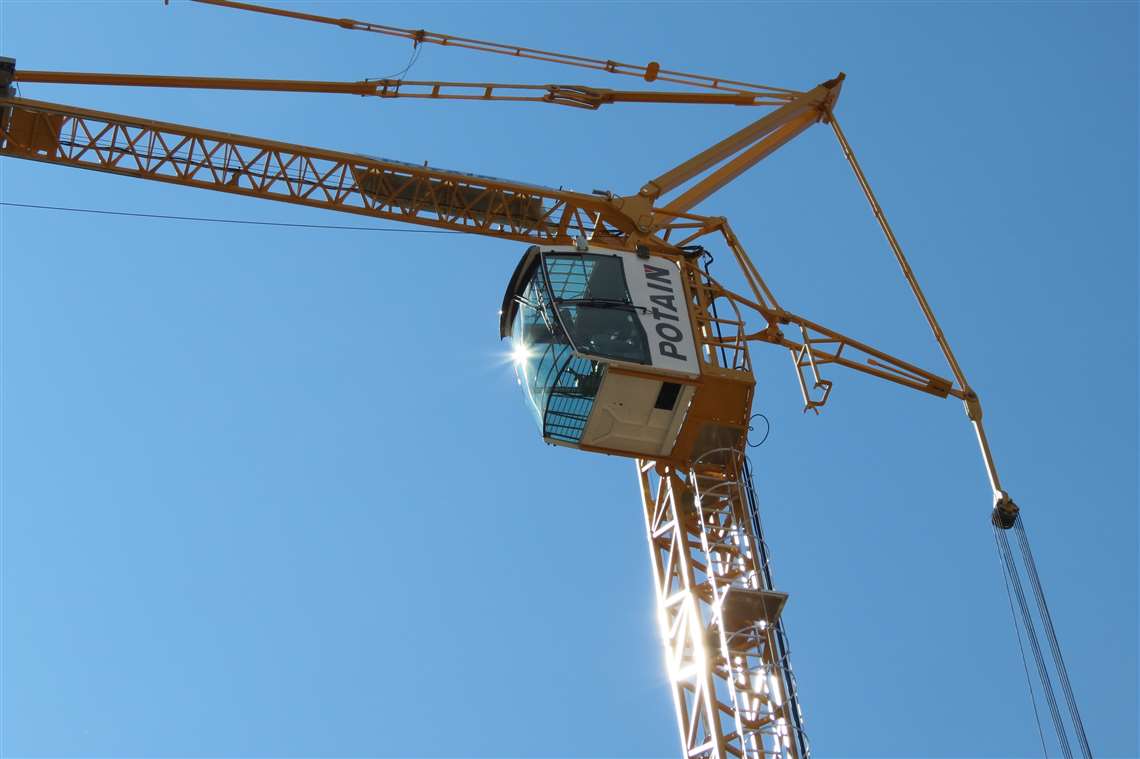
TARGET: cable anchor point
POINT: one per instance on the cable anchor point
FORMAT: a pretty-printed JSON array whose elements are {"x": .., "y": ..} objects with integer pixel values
[{"x": 1005, "y": 511}]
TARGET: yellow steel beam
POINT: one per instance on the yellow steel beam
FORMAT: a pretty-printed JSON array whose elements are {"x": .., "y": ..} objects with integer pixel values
[
  {"x": 650, "y": 73},
  {"x": 813, "y": 102},
  {"x": 377, "y": 187},
  {"x": 973, "y": 405},
  {"x": 741, "y": 163},
  {"x": 732, "y": 685},
  {"x": 557, "y": 94}
]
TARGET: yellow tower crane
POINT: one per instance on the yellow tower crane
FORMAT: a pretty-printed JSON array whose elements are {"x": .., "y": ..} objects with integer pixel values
[{"x": 624, "y": 344}]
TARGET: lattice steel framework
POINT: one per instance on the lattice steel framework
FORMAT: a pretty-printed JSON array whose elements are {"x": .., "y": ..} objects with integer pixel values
[
  {"x": 733, "y": 687},
  {"x": 243, "y": 165},
  {"x": 727, "y": 658},
  {"x": 426, "y": 196}
]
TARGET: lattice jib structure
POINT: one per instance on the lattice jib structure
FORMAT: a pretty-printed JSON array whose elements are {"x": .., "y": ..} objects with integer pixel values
[
  {"x": 398, "y": 191},
  {"x": 727, "y": 657},
  {"x": 315, "y": 177}
]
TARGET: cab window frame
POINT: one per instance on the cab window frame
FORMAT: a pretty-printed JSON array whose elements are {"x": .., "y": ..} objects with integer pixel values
[{"x": 625, "y": 306}]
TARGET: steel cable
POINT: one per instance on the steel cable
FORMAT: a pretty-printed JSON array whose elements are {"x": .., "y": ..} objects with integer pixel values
[
  {"x": 783, "y": 650},
  {"x": 213, "y": 220},
  {"x": 1020, "y": 647},
  {"x": 1051, "y": 634},
  {"x": 1034, "y": 644}
]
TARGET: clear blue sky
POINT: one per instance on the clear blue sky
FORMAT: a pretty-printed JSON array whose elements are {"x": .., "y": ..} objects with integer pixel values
[{"x": 274, "y": 492}]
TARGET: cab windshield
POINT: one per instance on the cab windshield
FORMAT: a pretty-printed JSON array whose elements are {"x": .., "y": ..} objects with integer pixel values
[{"x": 593, "y": 304}]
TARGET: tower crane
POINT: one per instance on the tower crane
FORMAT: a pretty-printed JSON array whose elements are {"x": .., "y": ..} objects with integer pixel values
[{"x": 624, "y": 343}]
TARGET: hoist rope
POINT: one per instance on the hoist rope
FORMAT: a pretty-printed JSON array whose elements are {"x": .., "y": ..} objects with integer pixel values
[
  {"x": 1034, "y": 645},
  {"x": 1051, "y": 634},
  {"x": 1012, "y": 577},
  {"x": 1020, "y": 647}
]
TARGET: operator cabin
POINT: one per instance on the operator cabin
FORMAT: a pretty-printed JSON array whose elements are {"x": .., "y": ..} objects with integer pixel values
[{"x": 603, "y": 346}]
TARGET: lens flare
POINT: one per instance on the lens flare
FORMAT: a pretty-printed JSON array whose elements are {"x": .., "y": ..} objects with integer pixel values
[{"x": 520, "y": 354}]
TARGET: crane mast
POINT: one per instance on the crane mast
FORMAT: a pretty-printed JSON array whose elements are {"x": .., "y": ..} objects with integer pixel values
[
  {"x": 719, "y": 612},
  {"x": 726, "y": 651}
]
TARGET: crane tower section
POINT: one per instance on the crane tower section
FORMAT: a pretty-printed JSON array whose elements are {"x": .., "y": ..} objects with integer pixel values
[
  {"x": 626, "y": 353},
  {"x": 726, "y": 652}
]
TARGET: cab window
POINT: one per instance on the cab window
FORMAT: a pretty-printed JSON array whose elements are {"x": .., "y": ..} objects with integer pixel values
[{"x": 593, "y": 303}]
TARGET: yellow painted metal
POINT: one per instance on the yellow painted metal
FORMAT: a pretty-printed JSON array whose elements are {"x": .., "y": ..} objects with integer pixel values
[
  {"x": 733, "y": 690},
  {"x": 225, "y": 162},
  {"x": 556, "y": 94},
  {"x": 422, "y": 195},
  {"x": 815, "y": 101},
  {"x": 731, "y": 685},
  {"x": 643, "y": 224},
  {"x": 746, "y": 160},
  {"x": 651, "y": 72},
  {"x": 973, "y": 404}
]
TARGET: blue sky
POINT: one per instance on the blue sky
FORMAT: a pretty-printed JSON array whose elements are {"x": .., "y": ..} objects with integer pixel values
[{"x": 274, "y": 492}]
